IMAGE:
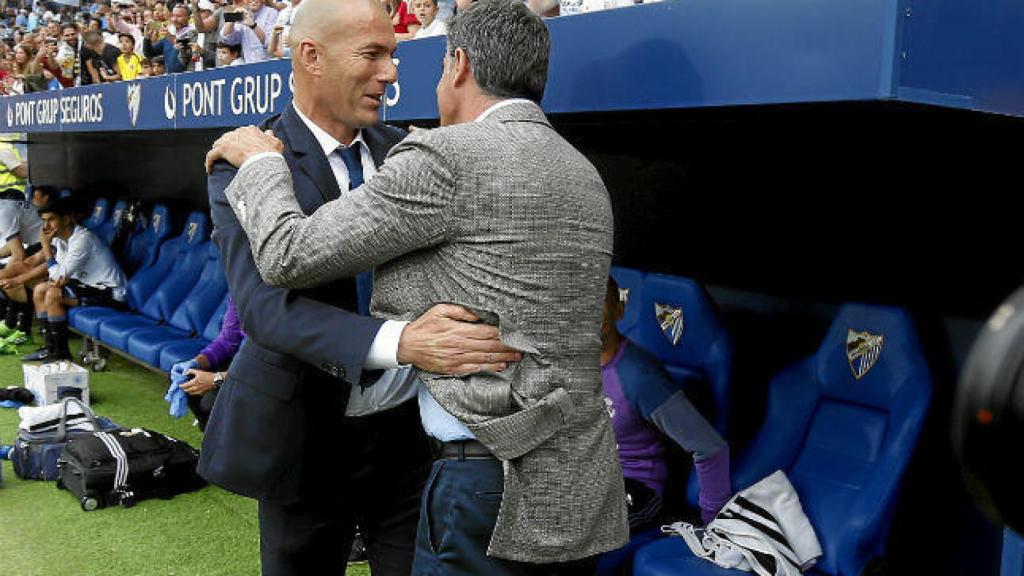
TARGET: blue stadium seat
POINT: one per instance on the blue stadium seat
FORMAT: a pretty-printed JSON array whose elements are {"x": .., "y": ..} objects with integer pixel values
[
  {"x": 108, "y": 229},
  {"x": 141, "y": 284},
  {"x": 99, "y": 215},
  {"x": 176, "y": 270},
  {"x": 180, "y": 350},
  {"x": 695, "y": 349},
  {"x": 190, "y": 318},
  {"x": 143, "y": 245},
  {"x": 842, "y": 424},
  {"x": 630, "y": 282}
]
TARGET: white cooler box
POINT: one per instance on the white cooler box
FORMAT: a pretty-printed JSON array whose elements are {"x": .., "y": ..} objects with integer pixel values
[{"x": 44, "y": 379}]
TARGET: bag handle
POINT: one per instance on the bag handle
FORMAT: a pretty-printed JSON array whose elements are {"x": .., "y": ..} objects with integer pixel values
[{"x": 63, "y": 425}]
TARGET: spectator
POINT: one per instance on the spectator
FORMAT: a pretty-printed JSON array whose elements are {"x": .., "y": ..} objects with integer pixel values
[
  {"x": 165, "y": 41},
  {"x": 426, "y": 13},
  {"x": 123, "y": 21},
  {"x": 129, "y": 64},
  {"x": 207, "y": 23},
  {"x": 645, "y": 407},
  {"x": 51, "y": 82},
  {"x": 229, "y": 55},
  {"x": 199, "y": 377},
  {"x": 83, "y": 273},
  {"x": 28, "y": 71},
  {"x": 253, "y": 32},
  {"x": 159, "y": 67},
  {"x": 405, "y": 23},
  {"x": 279, "y": 37},
  {"x": 100, "y": 58},
  {"x": 160, "y": 13},
  {"x": 6, "y": 77},
  {"x": 63, "y": 58},
  {"x": 147, "y": 68}
]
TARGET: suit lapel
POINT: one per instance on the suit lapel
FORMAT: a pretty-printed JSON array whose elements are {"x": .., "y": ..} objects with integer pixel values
[
  {"x": 375, "y": 142},
  {"x": 310, "y": 162}
]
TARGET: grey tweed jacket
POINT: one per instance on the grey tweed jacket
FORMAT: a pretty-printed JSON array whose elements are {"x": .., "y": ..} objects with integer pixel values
[{"x": 506, "y": 218}]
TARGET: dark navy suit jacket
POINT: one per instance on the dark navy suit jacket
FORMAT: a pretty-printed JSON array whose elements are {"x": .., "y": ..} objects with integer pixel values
[{"x": 269, "y": 436}]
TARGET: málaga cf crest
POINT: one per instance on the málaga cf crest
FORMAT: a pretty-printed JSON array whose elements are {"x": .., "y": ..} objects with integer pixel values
[
  {"x": 134, "y": 101},
  {"x": 862, "y": 351},
  {"x": 670, "y": 319}
]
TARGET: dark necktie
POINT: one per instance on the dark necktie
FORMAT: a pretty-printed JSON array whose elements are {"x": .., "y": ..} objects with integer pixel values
[{"x": 354, "y": 163}]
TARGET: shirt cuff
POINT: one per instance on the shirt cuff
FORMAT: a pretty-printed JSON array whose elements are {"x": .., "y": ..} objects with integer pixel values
[
  {"x": 383, "y": 353},
  {"x": 258, "y": 157}
]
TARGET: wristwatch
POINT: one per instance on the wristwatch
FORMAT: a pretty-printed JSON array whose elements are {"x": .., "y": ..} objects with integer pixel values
[{"x": 218, "y": 379}]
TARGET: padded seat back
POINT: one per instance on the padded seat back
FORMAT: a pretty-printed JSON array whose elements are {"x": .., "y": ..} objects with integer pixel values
[
  {"x": 213, "y": 326},
  {"x": 630, "y": 282},
  {"x": 843, "y": 425},
  {"x": 108, "y": 229},
  {"x": 143, "y": 246},
  {"x": 678, "y": 323},
  {"x": 179, "y": 265},
  {"x": 195, "y": 311},
  {"x": 99, "y": 215},
  {"x": 148, "y": 237}
]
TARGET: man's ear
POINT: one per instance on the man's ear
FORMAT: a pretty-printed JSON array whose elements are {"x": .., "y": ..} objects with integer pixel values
[
  {"x": 461, "y": 72},
  {"x": 309, "y": 55}
]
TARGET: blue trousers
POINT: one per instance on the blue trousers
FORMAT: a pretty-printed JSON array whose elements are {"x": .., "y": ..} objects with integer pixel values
[{"x": 457, "y": 516}]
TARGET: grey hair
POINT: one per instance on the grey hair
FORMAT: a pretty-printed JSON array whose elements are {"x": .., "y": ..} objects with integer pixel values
[{"x": 507, "y": 45}]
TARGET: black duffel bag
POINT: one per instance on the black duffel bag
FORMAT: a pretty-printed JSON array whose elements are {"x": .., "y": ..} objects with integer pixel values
[{"x": 122, "y": 467}]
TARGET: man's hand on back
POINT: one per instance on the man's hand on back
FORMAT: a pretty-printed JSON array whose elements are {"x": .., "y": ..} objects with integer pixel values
[
  {"x": 446, "y": 340},
  {"x": 240, "y": 144}
]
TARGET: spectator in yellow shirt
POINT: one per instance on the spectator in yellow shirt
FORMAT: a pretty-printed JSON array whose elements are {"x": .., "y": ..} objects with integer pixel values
[{"x": 129, "y": 64}]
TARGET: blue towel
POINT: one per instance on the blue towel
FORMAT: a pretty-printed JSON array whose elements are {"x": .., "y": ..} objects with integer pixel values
[
  {"x": 176, "y": 397},
  {"x": 10, "y": 404}
]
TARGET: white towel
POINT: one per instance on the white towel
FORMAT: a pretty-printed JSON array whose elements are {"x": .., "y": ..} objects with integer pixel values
[
  {"x": 762, "y": 529},
  {"x": 47, "y": 418}
]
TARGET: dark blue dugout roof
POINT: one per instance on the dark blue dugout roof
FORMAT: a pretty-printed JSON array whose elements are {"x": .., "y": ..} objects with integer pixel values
[{"x": 676, "y": 54}]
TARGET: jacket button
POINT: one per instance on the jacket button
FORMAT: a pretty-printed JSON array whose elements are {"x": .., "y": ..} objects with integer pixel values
[{"x": 334, "y": 371}]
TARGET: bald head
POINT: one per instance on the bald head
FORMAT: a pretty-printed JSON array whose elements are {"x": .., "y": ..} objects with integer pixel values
[{"x": 323, "y": 20}]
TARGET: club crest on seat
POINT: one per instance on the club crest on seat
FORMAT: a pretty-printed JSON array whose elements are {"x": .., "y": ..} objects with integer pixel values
[
  {"x": 862, "y": 351},
  {"x": 670, "y": 318},
  {"x": 624, "y": 295}
]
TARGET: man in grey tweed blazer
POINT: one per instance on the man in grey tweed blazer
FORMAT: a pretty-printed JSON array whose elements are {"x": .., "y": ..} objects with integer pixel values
[{"x": 495, "y": 212}]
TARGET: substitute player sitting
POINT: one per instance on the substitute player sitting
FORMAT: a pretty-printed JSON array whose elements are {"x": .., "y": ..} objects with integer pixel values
[{"x": 82, "y": 272}]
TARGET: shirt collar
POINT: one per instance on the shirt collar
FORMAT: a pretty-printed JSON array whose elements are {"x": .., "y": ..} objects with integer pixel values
[
  {"x": 501, "y": 105},
  {"x": 327, "y": 142}
]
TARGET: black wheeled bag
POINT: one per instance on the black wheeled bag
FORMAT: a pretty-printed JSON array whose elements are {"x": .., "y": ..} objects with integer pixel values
[{"x": 123, "y": 467}]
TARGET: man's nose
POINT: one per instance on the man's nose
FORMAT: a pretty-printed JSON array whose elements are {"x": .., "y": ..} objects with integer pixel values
[{"x": 389, "y": 73}]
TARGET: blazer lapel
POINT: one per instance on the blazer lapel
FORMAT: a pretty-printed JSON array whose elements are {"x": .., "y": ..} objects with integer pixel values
[
  {"x": 375, "y": 142},
  {"x": 310, "y": 161}
]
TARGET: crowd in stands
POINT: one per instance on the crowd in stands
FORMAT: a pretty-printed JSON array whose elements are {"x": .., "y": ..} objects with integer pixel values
[{"x": 50, "y": 46}]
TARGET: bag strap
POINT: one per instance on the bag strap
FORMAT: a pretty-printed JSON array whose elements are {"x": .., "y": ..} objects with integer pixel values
[
  {"x": 63, "y": 424},
  {"x": 688, "y": 534},
  {"x": 120, "y": 459}
]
